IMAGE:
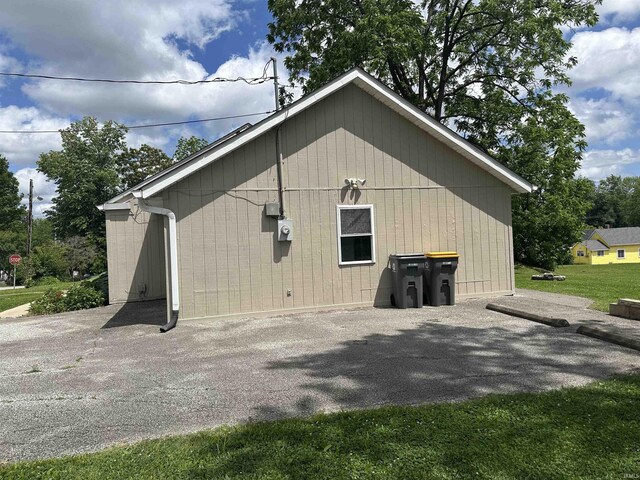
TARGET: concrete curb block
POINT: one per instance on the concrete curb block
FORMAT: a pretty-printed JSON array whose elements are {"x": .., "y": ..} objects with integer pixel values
[
  {"x": 616, "y": 338},
  {"x": 514, "y": 312}
]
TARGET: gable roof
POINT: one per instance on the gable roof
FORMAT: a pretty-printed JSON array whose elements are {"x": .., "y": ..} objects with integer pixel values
[
  {"x": 595, "y": 245},
  {"x": 357, "y": 77},
  {"x": 617, "y": 236}
]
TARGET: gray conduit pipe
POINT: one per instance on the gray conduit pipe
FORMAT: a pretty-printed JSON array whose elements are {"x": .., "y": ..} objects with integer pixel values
[{"x": 173, "y": 257}]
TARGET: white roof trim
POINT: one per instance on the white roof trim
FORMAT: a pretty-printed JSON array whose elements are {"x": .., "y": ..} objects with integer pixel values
[
  {"x": 371, "y": 86},
  {"x": 114, "y": 206}
]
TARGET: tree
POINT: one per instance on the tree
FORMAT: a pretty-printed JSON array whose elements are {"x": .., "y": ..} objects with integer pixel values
[
  {"x": 616, "y": 203},
  {"x": 85, "y": 173},
  {"x": 188, "y": 146},
  {"x": 483, "y": 67},
  {"x": 137, "y": 164},
  {"x": 79, "y": 254},
  {"x": 11, "y": 211}
]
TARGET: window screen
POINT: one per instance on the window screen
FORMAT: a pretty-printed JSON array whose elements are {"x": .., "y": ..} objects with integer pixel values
[
  {"x": 355, "y": 234},
  {"x": 354, "y": 221},
  {"x": 620, "y": 253}
]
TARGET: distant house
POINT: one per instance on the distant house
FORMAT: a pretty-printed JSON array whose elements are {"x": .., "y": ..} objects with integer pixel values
[
  {"x": 302, "y": 210},
  {"x": 608, "y": 245}
]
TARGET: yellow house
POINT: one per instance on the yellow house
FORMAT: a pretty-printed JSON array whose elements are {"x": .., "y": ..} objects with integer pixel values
[{"x": 608, "y": 245}]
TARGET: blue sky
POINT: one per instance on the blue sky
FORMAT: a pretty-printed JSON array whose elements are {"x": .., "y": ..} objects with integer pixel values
[{"x": 193, "y": 39}]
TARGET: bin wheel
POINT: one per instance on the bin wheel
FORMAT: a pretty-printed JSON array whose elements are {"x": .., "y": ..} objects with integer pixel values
[{"x": 393, "y": 300}]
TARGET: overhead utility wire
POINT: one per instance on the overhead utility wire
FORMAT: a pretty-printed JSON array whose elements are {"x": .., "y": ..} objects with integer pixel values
[
  {"x": 248, "y": 81},
  {"x": 151, "y": 125}
]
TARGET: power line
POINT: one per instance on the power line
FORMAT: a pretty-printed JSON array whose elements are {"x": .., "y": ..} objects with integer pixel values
[
  {"x": 248, "y": 81},
  {"x": 151, "y": 125}
]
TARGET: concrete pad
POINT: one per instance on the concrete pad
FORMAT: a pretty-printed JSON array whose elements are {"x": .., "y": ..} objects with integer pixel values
[
  {"x": 82, "y": 381},
  {"x": 16, "y": 312}
]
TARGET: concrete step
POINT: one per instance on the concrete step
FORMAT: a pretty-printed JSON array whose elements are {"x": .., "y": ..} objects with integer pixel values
[{"x": 626, "y": 308}]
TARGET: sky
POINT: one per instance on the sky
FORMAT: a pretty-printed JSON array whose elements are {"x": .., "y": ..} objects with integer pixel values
[{"x": 196, "y": 39}]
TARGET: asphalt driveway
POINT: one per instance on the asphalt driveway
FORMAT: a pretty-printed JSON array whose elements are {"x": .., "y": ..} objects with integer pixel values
[{"x": 82, "y": 381}]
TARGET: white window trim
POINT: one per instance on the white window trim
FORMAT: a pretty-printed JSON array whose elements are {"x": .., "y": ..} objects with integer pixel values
[
  {"x": 623, "y": 253},
  {"x": 339, "y": 232},
  {"x": 600, "y": 253}
]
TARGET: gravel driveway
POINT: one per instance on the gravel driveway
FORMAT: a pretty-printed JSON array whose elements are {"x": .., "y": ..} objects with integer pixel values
[{"x": 82, "y": 381}]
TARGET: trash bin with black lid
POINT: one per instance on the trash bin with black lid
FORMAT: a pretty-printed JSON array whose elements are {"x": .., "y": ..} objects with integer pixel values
[
  {"x": 408, "y": 282},
  {"x": 440, "y": 278}
]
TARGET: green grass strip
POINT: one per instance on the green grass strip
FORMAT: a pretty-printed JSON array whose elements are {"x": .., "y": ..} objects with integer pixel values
[
  {"x": 604, "y": 284},
  {"x": 587, "y": 432}
]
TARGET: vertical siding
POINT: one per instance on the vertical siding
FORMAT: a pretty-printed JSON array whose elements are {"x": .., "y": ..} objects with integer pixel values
[
  {"x": 426, "y": 197},
  {"x": 135, "y": 256}
]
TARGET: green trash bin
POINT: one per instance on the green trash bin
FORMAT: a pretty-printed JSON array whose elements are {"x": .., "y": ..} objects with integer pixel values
[
  {"x": 408, "y": 279},
  {"x": 440, "y": 278}
]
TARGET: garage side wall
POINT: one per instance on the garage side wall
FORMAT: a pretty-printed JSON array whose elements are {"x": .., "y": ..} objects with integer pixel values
[
  {"x": 426, "y": 197},
  {"x": 135, "y": 256}
]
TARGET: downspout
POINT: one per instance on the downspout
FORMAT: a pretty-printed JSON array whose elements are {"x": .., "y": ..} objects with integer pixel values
[{"x": 173, "y": 257}]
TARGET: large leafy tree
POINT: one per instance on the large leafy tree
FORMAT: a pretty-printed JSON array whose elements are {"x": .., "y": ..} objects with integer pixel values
[
  {"x": 485, "y": 67},
  {"x": 188, "y": 146},
  {"x": 11, "y": 211},
  {"x": 85, "y": 173},
  {"x": 137, "y": 164}
]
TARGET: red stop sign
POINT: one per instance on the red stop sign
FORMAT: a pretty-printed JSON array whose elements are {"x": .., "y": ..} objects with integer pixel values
[{"x": 15, "y": 259}]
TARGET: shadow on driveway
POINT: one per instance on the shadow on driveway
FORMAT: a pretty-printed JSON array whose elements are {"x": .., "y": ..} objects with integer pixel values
[
  {"x": 152, "y": 312},
  {"x": 443, "y": 362}
]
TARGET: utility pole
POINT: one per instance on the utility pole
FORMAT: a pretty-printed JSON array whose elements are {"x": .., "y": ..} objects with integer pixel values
[
  {"x": 276, "y": 87},
  {"x": 30, "y": 217}
]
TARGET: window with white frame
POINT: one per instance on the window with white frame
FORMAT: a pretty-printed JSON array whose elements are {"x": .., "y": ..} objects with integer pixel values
[
  {"x": 621, "y": 253},
  {"x": 580, "y": 253},
  {"x": 356, "y": 243},
  {"x": 601, "y": 253}
]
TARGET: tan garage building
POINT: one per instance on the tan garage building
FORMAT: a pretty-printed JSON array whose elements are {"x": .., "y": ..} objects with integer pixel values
[{"x": 302, "y": 210}]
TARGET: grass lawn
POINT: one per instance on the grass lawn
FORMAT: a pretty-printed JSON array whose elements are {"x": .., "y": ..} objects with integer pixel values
[
  {"x": 12, "y": 298},
  {"x": 588, "y": 432},
  {"x": 603, "y": 284}
]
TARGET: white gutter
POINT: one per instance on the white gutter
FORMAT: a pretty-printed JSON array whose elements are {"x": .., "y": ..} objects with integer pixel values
[
  {"x": 113, "y": 206},
  {"x": 173, "y": 256}
]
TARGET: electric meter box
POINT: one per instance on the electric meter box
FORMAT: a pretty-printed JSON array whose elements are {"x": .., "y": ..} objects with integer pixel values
[{"x": 285, "y": 230}]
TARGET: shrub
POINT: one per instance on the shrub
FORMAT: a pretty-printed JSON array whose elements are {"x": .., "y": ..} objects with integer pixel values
[
  {"x": 78, "y": 297},
  {"x": 48, "y": 280},
  {"x": 100, "y": 283},
  {"x": 52, "y": 301},
  {"x": 81, "y": 296}
]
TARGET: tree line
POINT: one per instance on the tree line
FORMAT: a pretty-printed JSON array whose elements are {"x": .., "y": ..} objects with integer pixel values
[
  {"x": 93, "y": 165},
  {"x": 615, "y": 202}
]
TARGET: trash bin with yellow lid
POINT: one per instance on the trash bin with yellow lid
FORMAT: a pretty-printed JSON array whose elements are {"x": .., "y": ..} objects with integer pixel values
[{"x": 440, "y": 278}]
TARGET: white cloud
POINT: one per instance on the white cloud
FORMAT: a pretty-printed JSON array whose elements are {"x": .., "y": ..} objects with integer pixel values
[
  {"x": 24, "y": 149},
  {"x": 41, "y": 188},
  {"x": 137, "y": 40},
  {"x": 598, "y": 164},
  {"x": 605, "y": 120},
  {"x": 618, "y": 11},
  {"x": 608, "y": 59}
]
